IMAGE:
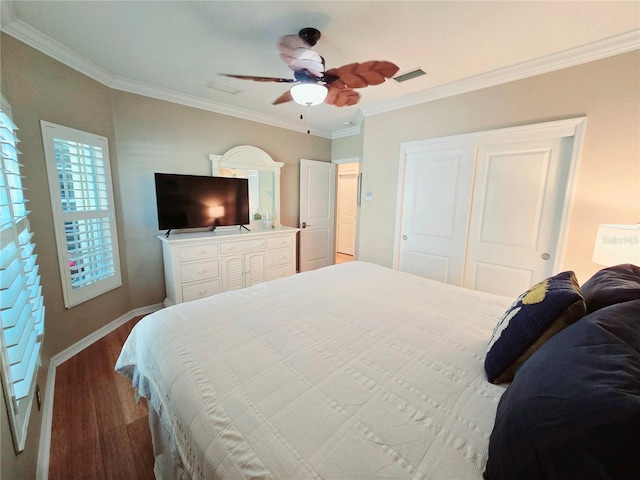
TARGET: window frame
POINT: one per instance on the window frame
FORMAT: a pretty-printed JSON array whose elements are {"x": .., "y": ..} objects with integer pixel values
[{"x": 80, "y": 294}]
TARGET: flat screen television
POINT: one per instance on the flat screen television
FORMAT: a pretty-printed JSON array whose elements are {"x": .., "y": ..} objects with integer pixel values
[{"x": 192, "y": 201}]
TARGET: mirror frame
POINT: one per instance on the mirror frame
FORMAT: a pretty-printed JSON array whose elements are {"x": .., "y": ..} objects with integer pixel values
[{"x": 247, "y": 157}]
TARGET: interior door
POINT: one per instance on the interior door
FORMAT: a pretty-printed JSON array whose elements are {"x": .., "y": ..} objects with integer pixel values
[
  {"x": 435, "y": 213},
  {"x": 317, "y": 216},
  {"x": 516, "y": 214},
  {"x": 347, "y": 212}
]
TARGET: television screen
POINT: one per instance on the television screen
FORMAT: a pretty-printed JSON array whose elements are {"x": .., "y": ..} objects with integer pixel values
[{"x": 190, "y": 201}]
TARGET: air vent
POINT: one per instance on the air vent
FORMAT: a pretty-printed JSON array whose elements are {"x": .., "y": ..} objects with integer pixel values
[
  {"x": 403, "y": 77},
  {"x": 223, "y": 88}
]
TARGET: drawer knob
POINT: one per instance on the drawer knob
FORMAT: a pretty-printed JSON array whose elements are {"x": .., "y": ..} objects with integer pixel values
[
  {"x": 281, "y": 257},
  {"x": 201, "y": 270}
]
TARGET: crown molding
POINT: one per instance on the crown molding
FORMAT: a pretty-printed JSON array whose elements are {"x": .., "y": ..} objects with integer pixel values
[
  {"x": 345, "y": 132},
  {"x": 608, "y": 47},
  {"x": 32, "y": 37},
  {"x": 355, "y": 129}
]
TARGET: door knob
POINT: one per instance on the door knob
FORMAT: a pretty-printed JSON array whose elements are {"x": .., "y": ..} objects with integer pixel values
[
  {"x": 304, "y": 225},
  {"x": 404, "y": 237},
  {"x": 545, "y": 256}
]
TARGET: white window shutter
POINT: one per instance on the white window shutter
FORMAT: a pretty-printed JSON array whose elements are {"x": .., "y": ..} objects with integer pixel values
[
  {"x": 22, "y": 308},
  {"x": 83, "y": 209}
]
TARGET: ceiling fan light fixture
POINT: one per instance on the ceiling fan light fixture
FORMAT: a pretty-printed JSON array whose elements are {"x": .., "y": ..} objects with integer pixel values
[{"x": 309, "y": 94}]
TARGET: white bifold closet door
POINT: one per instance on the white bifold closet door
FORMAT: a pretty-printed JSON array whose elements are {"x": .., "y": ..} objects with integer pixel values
[
  {"x": 435, "y": 217},
  {"x": 487, "y": 216},
  {"x": 515, "y": 216}
]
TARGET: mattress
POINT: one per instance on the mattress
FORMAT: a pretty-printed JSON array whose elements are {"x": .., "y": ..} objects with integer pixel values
[{"x": 353, "y": 371}]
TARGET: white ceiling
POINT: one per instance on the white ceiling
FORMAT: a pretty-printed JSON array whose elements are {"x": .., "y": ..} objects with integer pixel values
[{"x": 173, "y": 49}]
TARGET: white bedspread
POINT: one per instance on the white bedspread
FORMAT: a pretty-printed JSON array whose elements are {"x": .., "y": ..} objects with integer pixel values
[{"x": 353, "y": 371}]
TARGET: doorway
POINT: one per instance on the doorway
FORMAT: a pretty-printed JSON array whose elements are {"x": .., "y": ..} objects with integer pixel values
[
  {"x": 347, "y": 210},
  {"x": 328, "y": 212}
]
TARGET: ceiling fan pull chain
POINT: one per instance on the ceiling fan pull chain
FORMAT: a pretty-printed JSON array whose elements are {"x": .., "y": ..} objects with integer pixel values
[{"x": 308, "y": 118}]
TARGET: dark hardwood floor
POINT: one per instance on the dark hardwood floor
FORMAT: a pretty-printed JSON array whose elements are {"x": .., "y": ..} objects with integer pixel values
[{"x": 98, "y": 430}]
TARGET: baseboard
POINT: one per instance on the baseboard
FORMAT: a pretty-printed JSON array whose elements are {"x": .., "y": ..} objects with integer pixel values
[
  {"x": 42, "y": 472},
  {"x": 59, "y": 359},
  {"x": 92, "y": 338}
]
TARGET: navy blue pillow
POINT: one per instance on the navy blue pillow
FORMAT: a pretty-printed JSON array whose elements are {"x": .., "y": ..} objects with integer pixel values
[
  {"x": 573, "y": 409},
  {"x": 535, "y": 316},
  {"x": 612, "y": 285}
]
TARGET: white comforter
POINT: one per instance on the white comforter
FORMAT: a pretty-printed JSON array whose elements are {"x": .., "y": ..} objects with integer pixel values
[{"x": 353, "y": 371}]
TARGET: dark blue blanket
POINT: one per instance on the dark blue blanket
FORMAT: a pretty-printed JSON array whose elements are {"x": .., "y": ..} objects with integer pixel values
[{"x": 573, "y": 409}]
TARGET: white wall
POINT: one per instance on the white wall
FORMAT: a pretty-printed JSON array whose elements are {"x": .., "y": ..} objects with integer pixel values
[
  {"x": 157, "y": 136},
  {"x": 608, "y": 183}
]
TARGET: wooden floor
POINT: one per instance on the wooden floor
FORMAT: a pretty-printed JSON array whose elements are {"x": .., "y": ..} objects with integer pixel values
[
  {"x": 98, "y": 430},
  {"x": 343, "y": 257}
]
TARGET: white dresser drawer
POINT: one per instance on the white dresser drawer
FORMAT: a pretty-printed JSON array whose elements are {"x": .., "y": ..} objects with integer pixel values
[
  {"x": 279, "y": 272},
  {"x": 200, "y": 270},
  {"x": 279, "y": 242},
  {"x": 279, "y": 257},
  {"x": 240, "y": 246},
  {"x": 194, "y": 252},
  {"x": 200, "y": 290}
]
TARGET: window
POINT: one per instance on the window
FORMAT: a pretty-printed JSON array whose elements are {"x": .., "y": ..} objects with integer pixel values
[
  {"x": 21, "y": 302},
  {"x": 84, "y": 218}
]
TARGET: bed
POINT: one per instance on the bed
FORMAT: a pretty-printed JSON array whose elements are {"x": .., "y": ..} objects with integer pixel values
[{"x": 353, "y": 371}]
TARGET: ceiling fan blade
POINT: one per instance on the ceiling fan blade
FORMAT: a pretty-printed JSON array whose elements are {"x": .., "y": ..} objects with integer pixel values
[
  {"x": 259, "y": 79},
  {"x": 312, "y": 65},
  {"x": 386, "y": 69},
  {"x": 342, "y": 97},
  {"x": 297, "y": 54},
  {"x": 360, "y": 75},
  {"x": 376, "y": 72},
  {"x": 347, "y": 76},
  {"x": 284, "y": 98},
  {"x": 331, "y": 78}
]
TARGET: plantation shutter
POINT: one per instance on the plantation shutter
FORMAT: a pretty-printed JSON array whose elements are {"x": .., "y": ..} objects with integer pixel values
[
  {"x": 21, "y": 302},
  {"x": 82, "y": 203}
]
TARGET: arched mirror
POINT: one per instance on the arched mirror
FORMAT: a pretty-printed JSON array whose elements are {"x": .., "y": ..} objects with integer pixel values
[{"x": 263, "y": 173}]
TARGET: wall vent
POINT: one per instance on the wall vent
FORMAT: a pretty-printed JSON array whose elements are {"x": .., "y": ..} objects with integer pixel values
[{"x": 403, "y": 77}]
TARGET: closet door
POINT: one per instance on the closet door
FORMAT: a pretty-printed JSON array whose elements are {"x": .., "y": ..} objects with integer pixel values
[
  {"x": 435, "y": 213},
  {"x": 516, "y": 214}
]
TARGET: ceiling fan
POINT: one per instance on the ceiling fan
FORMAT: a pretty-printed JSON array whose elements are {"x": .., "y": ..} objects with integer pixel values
[{"x": 314, "y": 85}]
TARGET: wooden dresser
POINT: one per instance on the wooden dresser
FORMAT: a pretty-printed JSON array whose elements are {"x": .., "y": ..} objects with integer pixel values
[{"x": 200, "y": 264}]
